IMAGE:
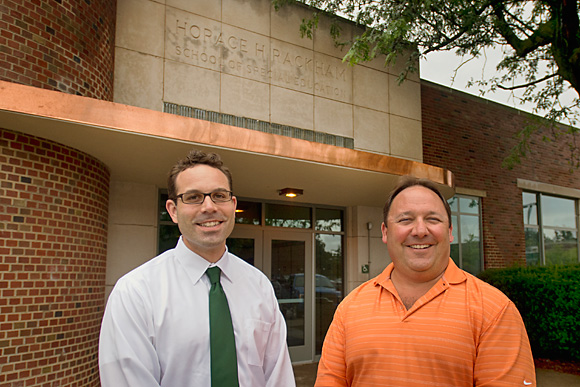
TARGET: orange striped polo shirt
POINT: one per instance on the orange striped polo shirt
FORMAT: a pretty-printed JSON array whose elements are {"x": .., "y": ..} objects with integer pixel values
[{"x": 462, "y": 332}]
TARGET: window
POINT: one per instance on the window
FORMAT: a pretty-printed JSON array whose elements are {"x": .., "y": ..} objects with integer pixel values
[
  {"x": 329, "y": 240},
  {"x": 466, "y": 249},
  {"x": 280, "y": 215},
  {"x": 551, "y": 229},
  {"x": 168, "y": 231}
]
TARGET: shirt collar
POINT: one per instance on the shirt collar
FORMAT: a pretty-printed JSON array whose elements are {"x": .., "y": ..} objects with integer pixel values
[
  {"x": 196, "y": 266},
  {"x": 452, "y": 275},
  {"x": 385, "y": 276}
]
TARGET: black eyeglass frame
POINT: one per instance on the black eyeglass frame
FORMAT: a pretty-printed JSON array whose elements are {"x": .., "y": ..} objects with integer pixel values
[{"x": 231, "y": 195}]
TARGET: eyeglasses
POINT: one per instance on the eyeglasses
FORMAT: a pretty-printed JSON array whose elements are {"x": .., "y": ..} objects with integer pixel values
[{"x": 218, "y": 196}]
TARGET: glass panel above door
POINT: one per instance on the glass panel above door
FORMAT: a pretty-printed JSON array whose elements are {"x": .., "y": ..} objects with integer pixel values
[
  {"x": 329, "y": 219},
  {"x": 279, "y": 215},
  {"x": 249, "y": 213}
]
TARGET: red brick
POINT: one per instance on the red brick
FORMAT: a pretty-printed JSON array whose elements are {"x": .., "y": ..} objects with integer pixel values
[
  {"x": 471, "y": 137},
  {"x": 35, "y": 277},
  {"x": 24, "y": 34}
]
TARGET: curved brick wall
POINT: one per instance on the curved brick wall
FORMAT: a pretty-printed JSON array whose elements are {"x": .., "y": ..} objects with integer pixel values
[
  {"x": 64, "y": 45},
  {"x": 53, "y": 227}
]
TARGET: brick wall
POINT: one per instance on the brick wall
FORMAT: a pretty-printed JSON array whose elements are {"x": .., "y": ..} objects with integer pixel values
[
  {"x": 53, "y": 227},
  {"x": 64, "y": 45},
  {"x": 471, "y": 137}
]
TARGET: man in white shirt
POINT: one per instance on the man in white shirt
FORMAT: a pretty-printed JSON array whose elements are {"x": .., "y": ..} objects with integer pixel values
[{"x": 156, "y": 326}]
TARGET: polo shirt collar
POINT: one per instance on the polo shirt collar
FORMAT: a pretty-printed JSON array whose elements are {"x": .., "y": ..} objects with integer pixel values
[{"x": 452, "y": 275}]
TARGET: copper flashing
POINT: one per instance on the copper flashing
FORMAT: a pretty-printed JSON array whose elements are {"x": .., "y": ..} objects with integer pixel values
[{"x": 114, "y": 116}]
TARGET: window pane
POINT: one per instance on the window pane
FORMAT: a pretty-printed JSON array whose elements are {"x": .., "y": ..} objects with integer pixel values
[
  {"x": 530, "y": 208},
  {"x": 163, "y": 214},
  {"x": 561, "y": 246},
  {"x": 455, "y": 244},
  {"x": 453, "y": 203},
  {"x": 469, "y": 228},
  {"x": 328, "y": 219},
  {"x": 279, "y": 215},
  {"x": 558, "y": 212},
  {"x": 288, "y": 263},
  {"x": 470, "y": 247},
  {"x": 243, "y": 248},
  {"x": 249, "y": 213},
  {"x": 532, "y": 246},
  {"x": 468, "y": 205},
  {"x": 329, "y": 282},
  {"x": 168, "y": 237}
]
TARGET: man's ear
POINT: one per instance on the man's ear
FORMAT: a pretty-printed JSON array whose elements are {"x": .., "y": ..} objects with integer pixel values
[
  {"x": 384, "y": 232},
  {"x": 171, "y": 207},
  {"x": 450, "y": 233}
]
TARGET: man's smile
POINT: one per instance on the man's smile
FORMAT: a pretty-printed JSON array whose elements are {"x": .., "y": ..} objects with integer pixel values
[
  {"x": 419, "y": 246},
  {"x": 210, "y": 223}
]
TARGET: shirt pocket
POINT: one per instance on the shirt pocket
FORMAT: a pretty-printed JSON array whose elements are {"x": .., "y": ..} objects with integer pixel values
[{"x": 257, "y": 333}]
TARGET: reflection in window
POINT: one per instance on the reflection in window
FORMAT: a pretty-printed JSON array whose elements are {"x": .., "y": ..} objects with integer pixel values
[
  {"x": 466, "y": 250},
  {"x": 558, "y": 212},
  {"x": 242, "y": 247},
  {"x": 288, "y": 264},
  {"x": 530, "y": 208},
  {"x": 279, "y": 215},
  {"x": 329, "y": 282},
  {"x": 168, "y": 231},
  {"x": 532, "y": 246},
  {"x": 551, "y": 230},
  {"x": 560, "y": 247},
  {"x": 328, "y": 219},
  {"x": 248, "y": 213},
  {"x": 168, "y": 236}
]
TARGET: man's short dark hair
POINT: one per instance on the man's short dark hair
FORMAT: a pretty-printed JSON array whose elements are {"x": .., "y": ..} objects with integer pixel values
[
  {"x": 195, "y": 157},
  {"x": 408, "y": 182}
]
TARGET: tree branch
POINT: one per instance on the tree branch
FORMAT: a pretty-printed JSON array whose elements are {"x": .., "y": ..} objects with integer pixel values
[
  {"x": 527, "y": 84},
  {"x": 542, "y": 36},
  {"x": 462, "y": 30}
]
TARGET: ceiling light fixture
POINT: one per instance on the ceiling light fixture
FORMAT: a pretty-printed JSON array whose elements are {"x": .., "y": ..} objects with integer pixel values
[{"x": 291, "y": 192}]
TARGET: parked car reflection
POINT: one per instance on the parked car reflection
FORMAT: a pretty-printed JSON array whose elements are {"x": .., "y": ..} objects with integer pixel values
[{"x": 290, "y": 293}]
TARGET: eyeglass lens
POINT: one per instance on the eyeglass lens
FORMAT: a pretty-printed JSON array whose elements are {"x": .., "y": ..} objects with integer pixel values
[{"x": 219, "y": 196}]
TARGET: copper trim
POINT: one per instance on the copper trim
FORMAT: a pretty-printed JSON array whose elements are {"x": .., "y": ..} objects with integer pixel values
[{"x": 87, "y": 111}]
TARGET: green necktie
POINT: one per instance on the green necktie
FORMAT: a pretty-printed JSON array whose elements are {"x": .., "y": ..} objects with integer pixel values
[{"x": 224, "y": 363}]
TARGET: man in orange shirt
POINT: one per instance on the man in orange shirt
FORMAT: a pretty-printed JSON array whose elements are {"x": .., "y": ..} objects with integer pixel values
[{"x": 423, "y": 321}]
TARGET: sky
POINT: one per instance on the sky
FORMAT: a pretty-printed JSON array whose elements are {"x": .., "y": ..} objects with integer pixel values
[{"x": 439, "y": 67}]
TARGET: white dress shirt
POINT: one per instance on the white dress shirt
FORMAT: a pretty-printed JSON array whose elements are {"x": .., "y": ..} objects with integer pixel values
[{"x": 155, "y": 329}]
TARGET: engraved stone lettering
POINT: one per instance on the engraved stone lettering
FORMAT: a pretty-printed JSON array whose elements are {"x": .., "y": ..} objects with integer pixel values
[{"x": 208, "y": 44}]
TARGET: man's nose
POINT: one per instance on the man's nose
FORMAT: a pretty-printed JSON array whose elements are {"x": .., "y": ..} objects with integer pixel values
[
  {"x": 420, "y": 228},
  {"x": 208, "y": 204}
]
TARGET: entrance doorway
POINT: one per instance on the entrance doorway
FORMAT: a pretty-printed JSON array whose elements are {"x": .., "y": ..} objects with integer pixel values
[
  {"x": 301, "y": 250},
  {"x": 286, "y": 258}
]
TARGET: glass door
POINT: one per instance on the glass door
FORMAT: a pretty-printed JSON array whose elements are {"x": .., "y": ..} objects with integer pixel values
[
  {"x": 289, "y": 266},
  {"x": 286, "y": 258}
]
